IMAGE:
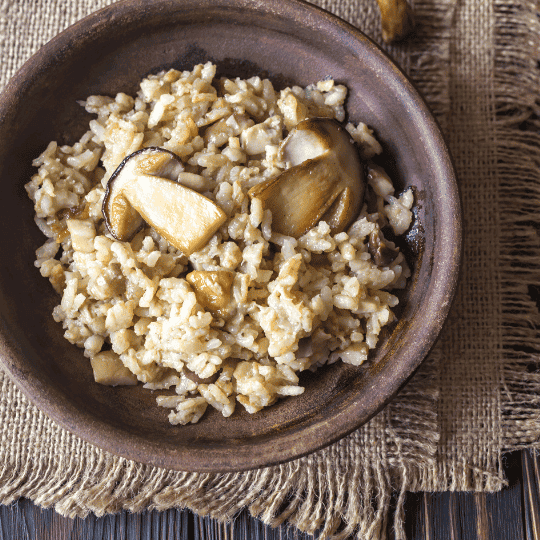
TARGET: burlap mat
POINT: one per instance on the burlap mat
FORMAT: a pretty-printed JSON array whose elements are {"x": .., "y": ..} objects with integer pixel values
[{"x": 477, "y": 395}]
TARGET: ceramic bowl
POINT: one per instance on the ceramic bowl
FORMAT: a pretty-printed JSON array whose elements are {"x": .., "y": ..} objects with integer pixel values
[{"x": 292, "y": 43}]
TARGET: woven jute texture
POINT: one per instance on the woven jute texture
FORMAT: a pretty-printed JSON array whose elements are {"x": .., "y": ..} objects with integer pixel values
[{"x": 476, "y": 397}]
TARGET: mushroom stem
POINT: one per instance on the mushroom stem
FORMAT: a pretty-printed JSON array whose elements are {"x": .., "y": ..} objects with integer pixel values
[{"x": 185, "y": 218}]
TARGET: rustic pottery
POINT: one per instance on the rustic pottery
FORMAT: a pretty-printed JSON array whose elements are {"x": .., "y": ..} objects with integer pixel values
[{"x": 290, "y": 42}]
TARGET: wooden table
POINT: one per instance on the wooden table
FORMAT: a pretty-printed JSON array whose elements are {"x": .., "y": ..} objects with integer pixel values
[{"x": 512, "y": 514}]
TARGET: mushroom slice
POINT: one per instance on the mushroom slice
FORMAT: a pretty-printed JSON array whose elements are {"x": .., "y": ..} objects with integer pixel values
[
  {"x": 110, "y": 371},
  {"x": 144, "y": 188},
  {"x": 212, "y": 288},
  {"x": 382, "y": 254},
  {"x": 193, "y": 377},
  {"x": 325, "y": 181}
]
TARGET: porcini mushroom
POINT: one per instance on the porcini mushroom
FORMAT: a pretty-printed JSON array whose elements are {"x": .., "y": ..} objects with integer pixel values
[
  {"x": 144, "y": 188},
  {"x": 325, "y": 181},
  {"x": 212, "y": 288},
  {"x": 397, "y": 19}
]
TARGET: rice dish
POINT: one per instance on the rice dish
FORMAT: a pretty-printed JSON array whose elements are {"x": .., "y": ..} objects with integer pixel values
[{"x": 292, "y": 304}]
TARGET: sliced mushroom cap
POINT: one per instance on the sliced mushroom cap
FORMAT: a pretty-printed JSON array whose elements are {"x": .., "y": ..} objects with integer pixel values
[
  {"x": 144, "y": 188},
  {"x": 325, "y": 181}
]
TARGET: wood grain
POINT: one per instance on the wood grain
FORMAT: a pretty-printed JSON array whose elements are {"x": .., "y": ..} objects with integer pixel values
[
  {"x": 531, "y": 484},
  {"x": 512, "y": 514}
]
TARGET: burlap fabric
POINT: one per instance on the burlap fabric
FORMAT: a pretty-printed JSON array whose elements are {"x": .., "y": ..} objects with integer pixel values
[{"x": 477, "y": 395}]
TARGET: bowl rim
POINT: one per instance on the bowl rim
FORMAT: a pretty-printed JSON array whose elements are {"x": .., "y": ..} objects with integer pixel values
[{"x": 287, "y": 446}]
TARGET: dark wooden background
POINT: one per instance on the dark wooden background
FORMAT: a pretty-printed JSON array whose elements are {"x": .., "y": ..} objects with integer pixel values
[{"x": 512, "y": 514}]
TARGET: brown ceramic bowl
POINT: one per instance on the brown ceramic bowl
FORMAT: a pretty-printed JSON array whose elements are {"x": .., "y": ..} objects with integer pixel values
[{"x": 291, "y": 42}]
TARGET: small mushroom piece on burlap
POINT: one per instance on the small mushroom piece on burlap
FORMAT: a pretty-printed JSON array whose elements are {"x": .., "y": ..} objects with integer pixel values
[
  {"x": 397, "y": 19},
  {"x": 144, "y": 188},
  {"x": 325, "y": 180}
]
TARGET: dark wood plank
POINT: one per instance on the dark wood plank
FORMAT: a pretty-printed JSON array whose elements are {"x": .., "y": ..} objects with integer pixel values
[
  {"x": 469, "y": 516},
  {"x": 465, "y": 516},
  {"x": 427, "y": 504},
  {"x": 414, "y": 519},
  {"x": 439, "y": 515},
  {"x": 505, "y": 509},
  {"x": 512, "y": 514},
  {"x": 530, "y": 494},
  {"x": 482, "y": 520},
  {"x": 25, "y": 521}
]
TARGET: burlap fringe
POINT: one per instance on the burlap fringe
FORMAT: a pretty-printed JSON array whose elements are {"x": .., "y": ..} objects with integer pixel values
[
  {"x": 517, "y": 131},
  {"x": 339, "y": 492}
]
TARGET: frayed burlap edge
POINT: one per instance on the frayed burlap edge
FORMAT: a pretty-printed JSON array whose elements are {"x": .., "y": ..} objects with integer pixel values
[
  {"x": 346, "y": 487},
  {"x": 517, "y": 131}
]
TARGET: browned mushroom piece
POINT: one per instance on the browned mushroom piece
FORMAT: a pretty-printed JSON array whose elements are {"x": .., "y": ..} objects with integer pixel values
[
  {"x": 325, "y": 181},
  {"x": 212, "y": 288},
  {"x": 382, "y": 254},
  {"x": 144, "y": 188},
  {"x": 192, "y": 376},
  {"x": 397, "y": 19},
  {"x": 109, "y": 370}
]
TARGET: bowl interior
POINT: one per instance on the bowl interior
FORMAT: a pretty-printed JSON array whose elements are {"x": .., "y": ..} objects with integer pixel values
[{"x": 288, "y": 42}]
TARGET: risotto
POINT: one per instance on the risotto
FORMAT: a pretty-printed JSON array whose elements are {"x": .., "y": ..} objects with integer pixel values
[{"x": 237, "y": 319}]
